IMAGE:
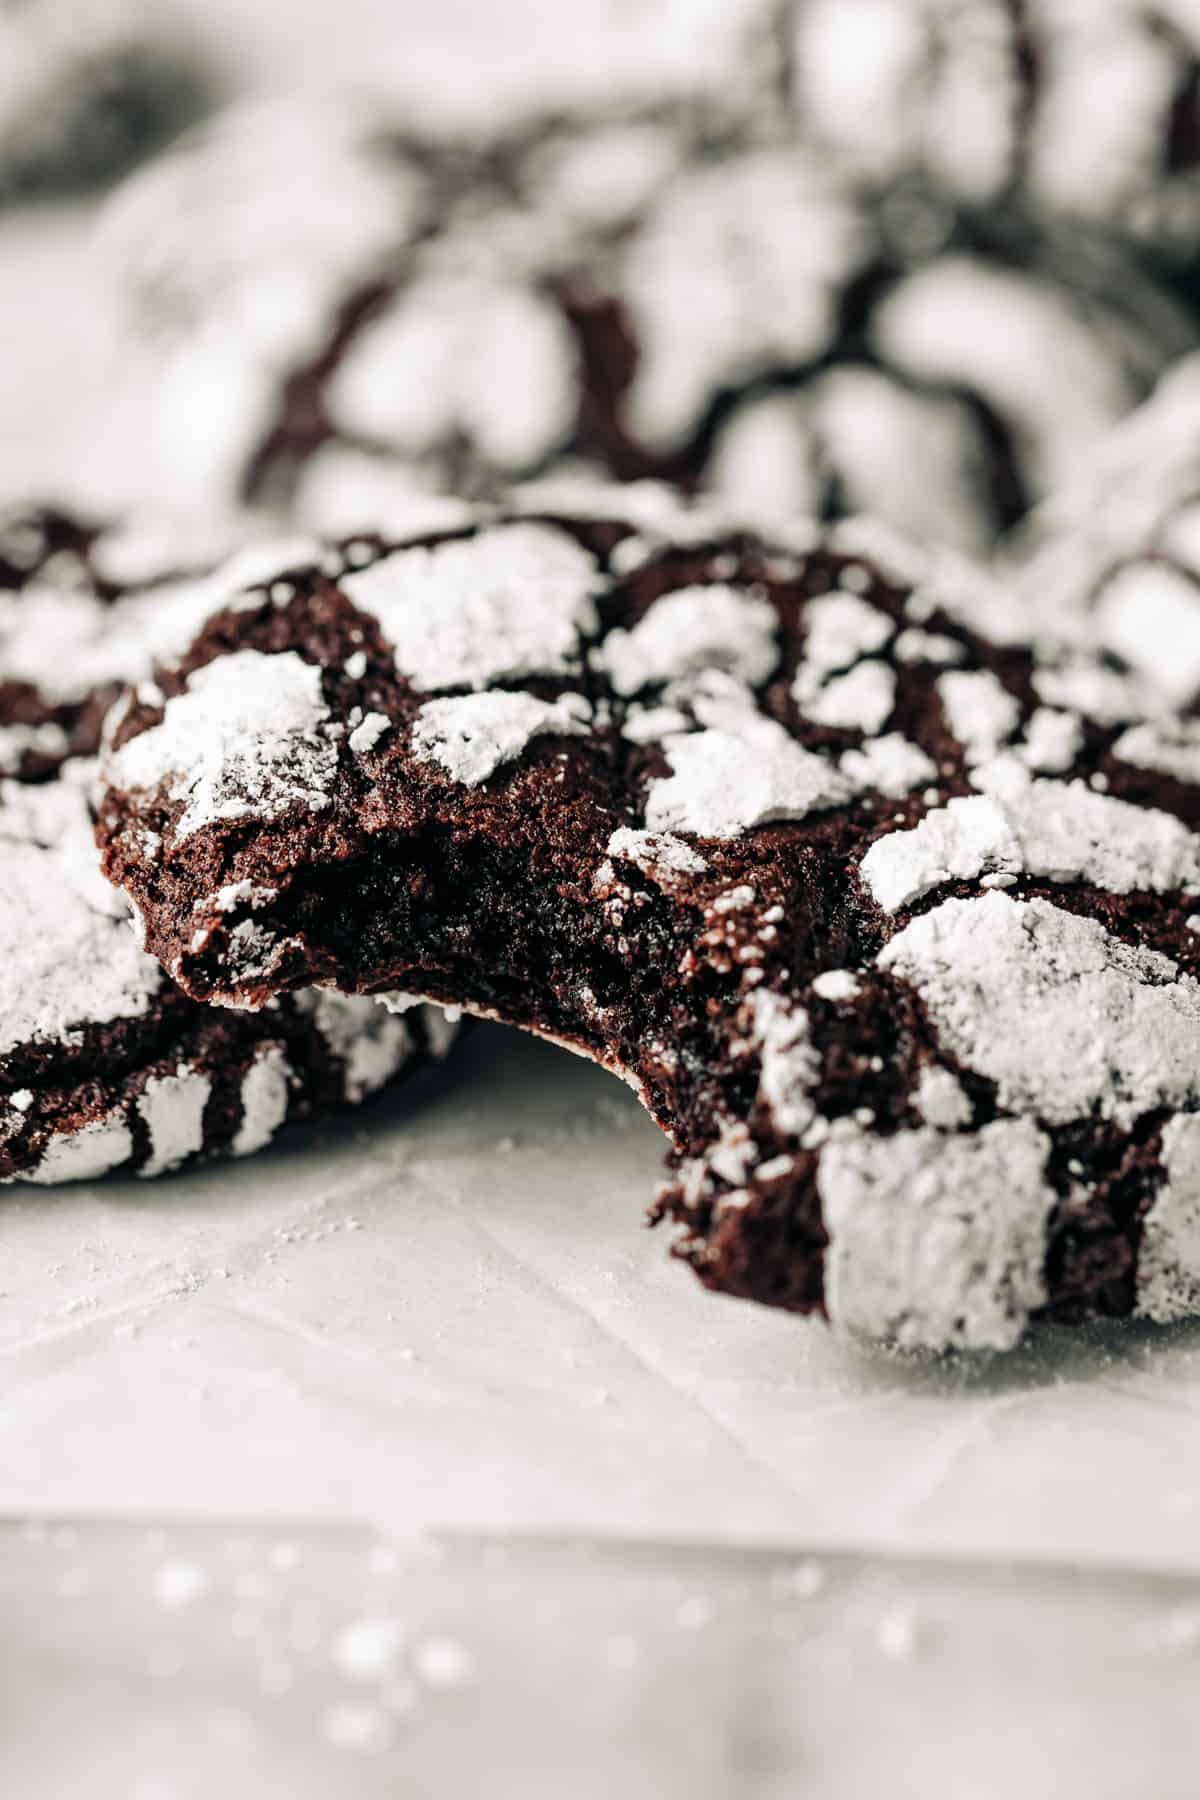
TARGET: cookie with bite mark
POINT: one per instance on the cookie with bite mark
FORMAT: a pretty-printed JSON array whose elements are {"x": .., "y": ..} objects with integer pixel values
[{"x": 884, "y": 912}]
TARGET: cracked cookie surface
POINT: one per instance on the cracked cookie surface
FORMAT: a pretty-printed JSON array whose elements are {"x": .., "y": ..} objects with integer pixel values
[
  {"x": 887, "y": 914},
  {"x": 103, "y": 1063}
]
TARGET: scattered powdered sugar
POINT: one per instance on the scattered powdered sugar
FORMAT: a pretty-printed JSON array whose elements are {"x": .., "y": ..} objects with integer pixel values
[
  {"x": 656, "y": 853},
  {"x": 1067, "y": 1020},
  {"x": 1148, "y": 614},
  {"x": 172, "y": 1107},
  {"x": 789, "y": 1065},
  {"x": 837, "y": 985},
  {"x": 512, "y": 601},
  {"x": 1168, "y": 1269},
  {"x": 1052, "y": 741},
  {"x": 471, "y": 735},
  {"x": 650, "y": 724},
  {"x": 255, "y": 952},
  {"x": 915, "y": 645},
  {"x": 724, "y": 780},
  {"x": 245, "y": 739},
  {"x": 693, "y": 630},
  {"x": 1061, "y": 831},
  {"x": 266, "y": 1089},
  {"x": 941, "y": 1099},
  {"x": 979, "y": 710},
  {"x": 235, "y": 894},
  {"x": 367, "y": 1649},
  {"x": 888, "y": 765},
  {"x": 1087, "y": 687},
  {"x": 1169, "y": 747},
  {"x": 443, "y": 1662},
  {"x": 936, "y": 1240},
  {"x": 839, "y": 629},
  {"x": 367, "y": 734},
  {"x": 857, "y": 701}
]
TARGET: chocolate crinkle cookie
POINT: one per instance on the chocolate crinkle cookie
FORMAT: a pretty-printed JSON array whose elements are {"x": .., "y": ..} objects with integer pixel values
[
  {"x": 888, "y": 914},
  {"x": 104, "y": 1064},
  {"x": 1116, "y": 553},
  {"x": 1082, "y": 111},
  {"x": 90, "y": 86},
  {"x": 342, "y": 315}
]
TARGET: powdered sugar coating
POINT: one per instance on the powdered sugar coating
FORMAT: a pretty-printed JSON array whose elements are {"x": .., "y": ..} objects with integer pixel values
[
  {"x": 690, "y": 630},
  {"x": 938, "y": 326},
  {"x": 841, "y": 628},
  {"x": 370, "y": 1041},
  {"x": 837, "y": 985},
  {"x": 97, "y": 1148},
  {"x": 893, "y": 88},
  {"x": 471, "y": 735},
  {"x": 1168, "y": 1272},
  {"x": 979, "y": 710},
  {"x": 172, "y": 1108},
  {"x": 66, "y": 642},
  {"x": 937, "y": 1240},
  {"x": 1148, "y": 614},
  {"x": 367, "y": 733},
  {"x": 19, "y": 741},
  {"x": 1170, "y": 746},
  {"x": 789, "y": 1065},
  {"x": 941, "y": 1099},
  {"x": 1115, "y": 552},
  {"x": 888, "y": 765},
  {"x": 264, "y": 1099},
  {"x": 82, "y": 965},
  {"x": 725, "y": 781},
  {"x": 467, "y": 357},
  {"x": 246, "y": 738},
  {"x": 514, "y": 600},
  {"x": 645, "y": 293},
  {"x": 737, "y": 268},
  {"x": 1067, "y": 1020},
  {"x": 680, "y": 872},
  {"x": 102, "y": 1063},
  {"x": 656, "y": 853},
  {"x": 861, "y": 700},
  {"x": 1060, "y": 830}
]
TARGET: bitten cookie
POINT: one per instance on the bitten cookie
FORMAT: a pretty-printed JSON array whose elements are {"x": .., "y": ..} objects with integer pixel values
[
  {"x": 344, "y": 315},
  {"x": 889, "y": 919},
  {"x": 103, "y": 1063}
]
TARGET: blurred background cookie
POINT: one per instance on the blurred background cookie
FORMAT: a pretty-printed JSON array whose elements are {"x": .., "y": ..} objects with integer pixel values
[
  {"x": 87, "y": 87},
  {"x": 1087, "y": 109},
  {"x": 1116, "y": 553},
  {"x": 333, "y": 312}
]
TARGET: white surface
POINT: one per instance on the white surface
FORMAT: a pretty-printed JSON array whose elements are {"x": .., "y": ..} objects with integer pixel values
[
  {"x": 444, "y": 1314},
  {"x": 332, "y": 1666}
]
